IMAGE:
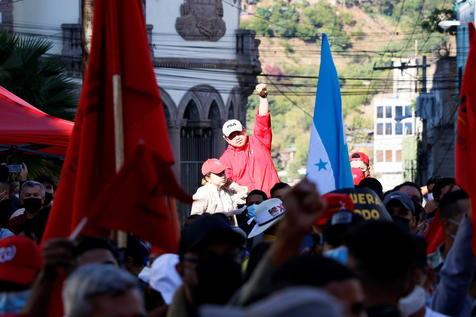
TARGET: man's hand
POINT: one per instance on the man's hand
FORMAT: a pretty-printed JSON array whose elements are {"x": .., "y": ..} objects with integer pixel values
[
  {"x": 303, "y": 206},
  {"x": 262, "y": 90},
  {"x": 23, "y": 172}
]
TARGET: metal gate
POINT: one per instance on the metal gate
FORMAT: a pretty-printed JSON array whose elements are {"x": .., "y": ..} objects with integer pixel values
[{"x": 196, "y": 146}]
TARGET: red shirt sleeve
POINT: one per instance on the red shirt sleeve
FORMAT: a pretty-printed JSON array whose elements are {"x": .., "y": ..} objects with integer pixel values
[
  {"x": 228, "y": 170},
  {"x": 263, "y": 131}
]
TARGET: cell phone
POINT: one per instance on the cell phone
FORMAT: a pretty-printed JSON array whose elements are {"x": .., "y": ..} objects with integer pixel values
[{"x": 14, "y": 168}]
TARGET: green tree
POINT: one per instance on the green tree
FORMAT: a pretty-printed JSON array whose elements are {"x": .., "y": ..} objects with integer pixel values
[{"x": 27, "y": 71}]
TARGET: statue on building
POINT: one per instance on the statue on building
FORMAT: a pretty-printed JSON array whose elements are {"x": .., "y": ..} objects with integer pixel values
[{"x": 201, "y": 20}]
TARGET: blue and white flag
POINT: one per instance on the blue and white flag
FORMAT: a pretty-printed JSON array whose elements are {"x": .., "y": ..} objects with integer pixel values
[{"x": 328, "y": 159}]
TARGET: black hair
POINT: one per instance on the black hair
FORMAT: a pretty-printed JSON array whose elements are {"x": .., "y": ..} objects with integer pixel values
[
  {"x": 384, "y": 253},
  {"x": 432, "y": 180},
  {"x": 258, "y": 193},
  {"x": 335, "y": 235},
  {"x": 373, "y": 184},
  {"x": 448, "y": 210},
  {"x": 310, "y": 270},
  {"x": 440, "y": 184},
  {"x": 138, "y": 250},
  {"x": 410, "y": 184},
  {"x": 88, "y": 243},
  {"x": 277, "y": 187}
]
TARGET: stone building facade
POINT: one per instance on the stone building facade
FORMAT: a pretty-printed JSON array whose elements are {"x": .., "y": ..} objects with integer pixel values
[{"x": 206, "y": 66}]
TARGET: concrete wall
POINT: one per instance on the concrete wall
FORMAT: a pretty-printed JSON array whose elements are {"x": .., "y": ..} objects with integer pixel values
[
  {"x": 44, "y": 17},
  {"x": 162, "y": 14}
]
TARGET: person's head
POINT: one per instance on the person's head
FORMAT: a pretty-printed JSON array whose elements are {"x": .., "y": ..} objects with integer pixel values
[
  {"x": 443, "y": 186},
  {"x": 412, "y": 190},
  {"x": 136, "y": 255},
  {"x": 292, "y": 301},
  {"x": 255, "y": 197},
  {"x": 4, "y": 191},
  {"x": 360, "y": 161},
  {"x": 268, "y": 215},
  {"x": 383, "y": 256},
  {"x": 49, "y": 185},
  {"x": 213, "y": 172},
  {"x": 453, "y": 207},
  {"x": 209, "y": 264},
  {"x": 98, "y": 290},
  {"x": 278, "y": 190},
  {"x": 32, "y": 196},
  {"x": 162, "y": 276},
  {"x": 234, "y": 133},
  {"x": 373, "y": 184},
  {"x": 96, "y": 250},
  {"x": 15, "y": 188},
  {"x": 20, "y": 263},
  {"x": 327, "y": 274},
  {"x": 430, "y": 183},
  {"x": 337, "y": 228},
  {"x": 402, "y": 209}
]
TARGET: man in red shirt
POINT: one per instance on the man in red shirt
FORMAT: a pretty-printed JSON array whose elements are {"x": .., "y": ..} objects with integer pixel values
[{"x": 248, "y": 159}]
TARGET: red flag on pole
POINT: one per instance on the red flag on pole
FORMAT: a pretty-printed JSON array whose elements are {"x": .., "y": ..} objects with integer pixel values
[
  {"x": 120, "y": 70},
  {"x": 138, "y": 199},
  {"x": 466, "y": 129}
]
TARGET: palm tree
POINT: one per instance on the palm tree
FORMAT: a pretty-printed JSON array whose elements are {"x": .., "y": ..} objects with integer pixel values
[{"x": 29, "y": 72}]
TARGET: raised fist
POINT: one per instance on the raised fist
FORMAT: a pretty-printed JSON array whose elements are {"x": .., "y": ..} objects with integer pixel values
[{"x": 262, "y": 90}]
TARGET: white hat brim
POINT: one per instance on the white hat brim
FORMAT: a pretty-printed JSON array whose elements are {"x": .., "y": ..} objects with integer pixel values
[{"x": 257, "y": 229}]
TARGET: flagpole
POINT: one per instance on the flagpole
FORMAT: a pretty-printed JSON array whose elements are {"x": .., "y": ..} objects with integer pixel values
[{"x": 118, "y": 139}]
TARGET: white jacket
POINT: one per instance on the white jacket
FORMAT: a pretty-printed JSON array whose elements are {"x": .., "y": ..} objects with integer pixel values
[{"x": 210, "y": 199}]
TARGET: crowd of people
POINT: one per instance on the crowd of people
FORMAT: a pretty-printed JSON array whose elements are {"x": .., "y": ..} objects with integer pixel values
[{"x": 252, "y": 246}]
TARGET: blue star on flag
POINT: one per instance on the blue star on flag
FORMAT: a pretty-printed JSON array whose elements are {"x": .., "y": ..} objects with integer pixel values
[{"x": 322, "y": 165}]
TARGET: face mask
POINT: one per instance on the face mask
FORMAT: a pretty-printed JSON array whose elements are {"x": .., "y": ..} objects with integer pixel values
[
  {"x": 251, "y": 211},
  {"x": 340, "y": 254},
  {"x": 13, "y": 302},
  {"x": 32, "y": 205},
  {"x": 219, "y": 277},
  {"x": 48, "y": 198},
  {"x": 402, "y": 222}
]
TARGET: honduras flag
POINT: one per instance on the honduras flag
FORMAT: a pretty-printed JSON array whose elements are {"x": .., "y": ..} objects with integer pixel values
[{"x": 328, "y": 163}]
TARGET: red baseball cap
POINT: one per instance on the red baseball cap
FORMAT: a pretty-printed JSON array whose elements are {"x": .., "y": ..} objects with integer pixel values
[
  {"x": 335, "y": 203},
  {"x": 20, "y": 260},
  {"x": 360, "y": 156},
  {"x": 212, "y": 166}
]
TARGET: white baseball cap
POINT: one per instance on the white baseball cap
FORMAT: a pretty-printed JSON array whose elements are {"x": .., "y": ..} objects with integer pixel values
[
  {"x": 231, "y": 126},
  {"x": 268, "y": 213}
]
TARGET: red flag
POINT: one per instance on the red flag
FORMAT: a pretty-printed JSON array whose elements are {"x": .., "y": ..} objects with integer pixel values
[
  {"x": 466, "y": 129},
  {"x": 138, "y": 200},
  {"x": 119, "y": 48}
]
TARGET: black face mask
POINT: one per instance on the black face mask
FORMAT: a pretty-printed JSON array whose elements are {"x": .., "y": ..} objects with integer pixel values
[
  {"x": 219, "y": 277},
  {"x": 32, "y": 205},
  {"x": 48, "y": 198},
  {"x": 402, "y": 222}
]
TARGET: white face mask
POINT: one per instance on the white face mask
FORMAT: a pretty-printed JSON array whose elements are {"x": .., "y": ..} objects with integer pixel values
[
  {"x": 13, "y": 302},
  {"x": 412, "y": 303}
]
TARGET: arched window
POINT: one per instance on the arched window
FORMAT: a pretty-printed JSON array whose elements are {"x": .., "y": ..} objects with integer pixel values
[
  {"x": 191, "y": 111},
  {"x": 231, "y": 111}
]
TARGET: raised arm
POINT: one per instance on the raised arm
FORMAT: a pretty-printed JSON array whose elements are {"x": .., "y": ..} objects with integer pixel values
[
  {"x": 262, "y": 92},
  {"x": 262, "y": 130}
]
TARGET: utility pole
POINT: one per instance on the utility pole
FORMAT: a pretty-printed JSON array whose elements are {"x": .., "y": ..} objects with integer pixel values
[{"x": 404, "y": 66}]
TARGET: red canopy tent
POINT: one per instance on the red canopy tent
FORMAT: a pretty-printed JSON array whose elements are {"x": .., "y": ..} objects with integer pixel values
[{"x": 26, "y": 129}]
